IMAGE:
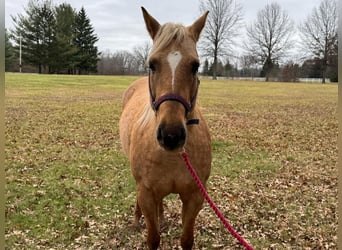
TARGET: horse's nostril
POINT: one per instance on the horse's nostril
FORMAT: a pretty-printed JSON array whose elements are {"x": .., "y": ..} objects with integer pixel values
[
  {"x": 171, "y": 137},
  {"x": 160, "y": 134}
]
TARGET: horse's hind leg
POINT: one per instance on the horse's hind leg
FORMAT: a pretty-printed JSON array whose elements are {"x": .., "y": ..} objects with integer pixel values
[{"x": 192, "y": 204}]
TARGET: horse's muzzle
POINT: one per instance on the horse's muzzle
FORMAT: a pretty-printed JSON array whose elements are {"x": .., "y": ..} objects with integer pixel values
[{"x": 171, "y": 137}]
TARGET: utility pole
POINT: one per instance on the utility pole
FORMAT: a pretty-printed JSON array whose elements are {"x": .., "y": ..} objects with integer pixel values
[{"x": 20, "y": 66}]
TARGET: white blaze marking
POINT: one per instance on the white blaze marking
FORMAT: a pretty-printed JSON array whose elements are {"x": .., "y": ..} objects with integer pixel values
[{"x": 174, "y": 58}]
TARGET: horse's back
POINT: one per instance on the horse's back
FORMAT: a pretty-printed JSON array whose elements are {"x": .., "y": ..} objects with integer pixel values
[{"x": 132, "y": 102}]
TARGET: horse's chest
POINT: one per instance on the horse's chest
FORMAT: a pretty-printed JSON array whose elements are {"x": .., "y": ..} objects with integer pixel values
[
  {"x": 167, "y": 174},
  {"x": 164, "y": 171}
]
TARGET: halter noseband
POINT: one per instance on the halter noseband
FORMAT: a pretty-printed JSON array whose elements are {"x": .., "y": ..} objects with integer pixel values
[{"x": 171, "y": 97}]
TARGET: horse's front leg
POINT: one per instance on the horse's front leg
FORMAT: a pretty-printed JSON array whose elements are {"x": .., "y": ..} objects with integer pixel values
[
  {"x": 192, "y": 204},
  {"x": 149, "y": 208}
]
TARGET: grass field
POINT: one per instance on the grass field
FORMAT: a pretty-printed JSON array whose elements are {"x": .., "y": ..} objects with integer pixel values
[{"x": 69, "y": 186}]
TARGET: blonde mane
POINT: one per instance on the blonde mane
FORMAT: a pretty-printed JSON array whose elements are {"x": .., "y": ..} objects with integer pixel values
[
  {"x": 146, "y": 116},
  {"x": 169, "y": 32}
]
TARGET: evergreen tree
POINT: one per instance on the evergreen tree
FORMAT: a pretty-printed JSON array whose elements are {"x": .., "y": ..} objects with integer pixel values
[
  {"x": 84, "y": 40},
  {"x": 56, "y": 39},
  {"x": 47, "y": 26},
  {"x": 9, "y": 53},
  {"x": 205, "y": 70},
  {"x": 227, "y": 69},
  {"x": 36, "y": 30},
  {"x": 65, "y": 50}
]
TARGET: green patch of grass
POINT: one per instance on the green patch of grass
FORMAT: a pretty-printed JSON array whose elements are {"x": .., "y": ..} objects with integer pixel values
[{"x": 230, "y": 160}]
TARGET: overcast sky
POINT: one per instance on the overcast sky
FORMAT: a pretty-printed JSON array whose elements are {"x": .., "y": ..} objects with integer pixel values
[{"x": 119, "y": 23}]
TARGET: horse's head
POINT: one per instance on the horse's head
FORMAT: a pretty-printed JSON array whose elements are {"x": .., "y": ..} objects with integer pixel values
[{"x": 173, "y": 81}]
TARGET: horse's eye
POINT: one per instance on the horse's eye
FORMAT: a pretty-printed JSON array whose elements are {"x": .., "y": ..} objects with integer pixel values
[
  {"x": 152, "y": 66},
  {"x": 195, "y": 66}
]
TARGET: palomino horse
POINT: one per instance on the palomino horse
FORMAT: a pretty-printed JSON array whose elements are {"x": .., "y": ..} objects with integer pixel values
[{"x": 160, "y": 118}]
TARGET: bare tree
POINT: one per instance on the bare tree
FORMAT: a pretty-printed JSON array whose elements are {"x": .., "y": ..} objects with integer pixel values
[
  {"x": 124, "y": 62},
  {"x": 268, "y": 38},
  {"x": 220, "y": 30},
  {"x": 141, "y": 53},
  {"x": 104, "y": 67},
  {"x": 319, "y": 33},
  {"x": 120, "y": 62}
]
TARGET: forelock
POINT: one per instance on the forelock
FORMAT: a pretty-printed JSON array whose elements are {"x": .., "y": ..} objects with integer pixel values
[{"x": 167, "y": 34}]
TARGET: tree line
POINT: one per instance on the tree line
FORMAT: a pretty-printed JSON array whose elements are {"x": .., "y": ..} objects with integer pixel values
[
  {"x": 53, "y": 39},
  {"x": 124, "y": 62},
  {"x": 63, "y": 41},
  {"x": 288, "y": 72},
  {"x": 269, "y": 38}
]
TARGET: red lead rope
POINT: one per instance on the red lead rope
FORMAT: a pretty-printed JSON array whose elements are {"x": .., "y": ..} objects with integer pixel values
[{"x": 212, "y": 204}]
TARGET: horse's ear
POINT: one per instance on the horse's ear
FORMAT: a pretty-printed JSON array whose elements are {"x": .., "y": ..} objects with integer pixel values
[
  {"x": 152, "y": 24},
  {"x": 196, "y": 28}
]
